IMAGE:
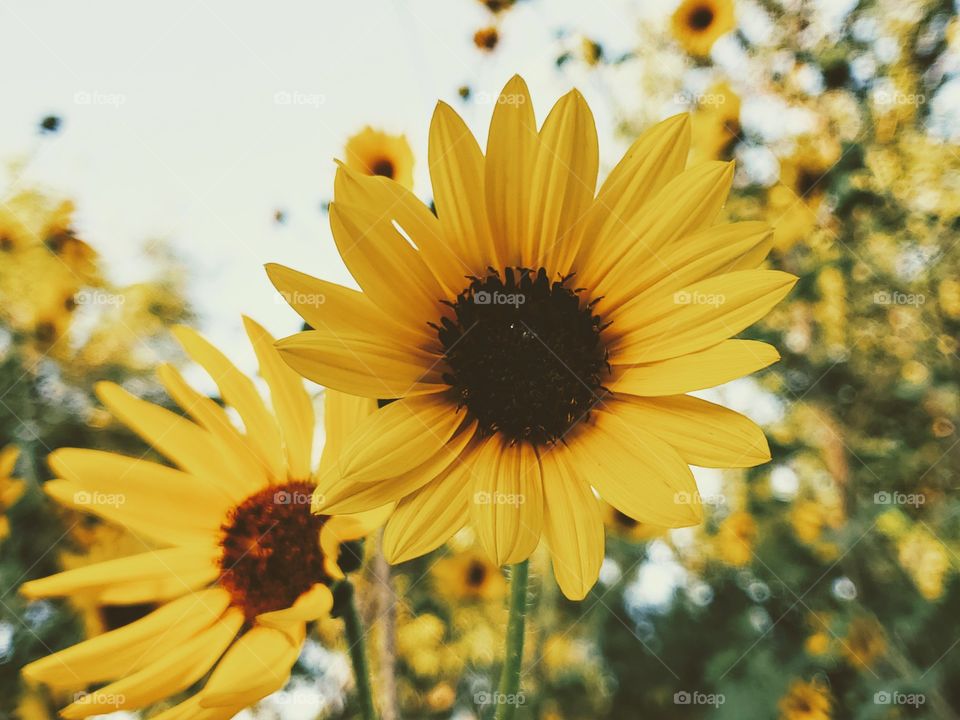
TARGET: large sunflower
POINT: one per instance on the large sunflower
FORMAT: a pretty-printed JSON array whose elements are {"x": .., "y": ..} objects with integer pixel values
[
  {"x": 235, "y": 559},
  {"x": 536, "y": 340}
]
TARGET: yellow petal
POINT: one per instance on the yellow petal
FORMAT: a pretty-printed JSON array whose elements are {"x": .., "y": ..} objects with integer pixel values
[
  {"x": 564, "y": 180},
  {"x": 336, "y": 496},
  {"x": 240, "y": 466},
  {"x": 702, "y": 432},
  {"x": 187, "y": 445},
  {"x": 190, "y": 709},
  {"x": 238, "y": 391},
  {"x": 384, "y": 197},
  {"x": 572, "y": 523},
  {"x": 698, "y": 316},
  {"x": 686, "y": 204},
  {"x": 635, "y": 471},
  {"x": 399, "y": 437},
  {"x": 174, "y": 672},
  {"x": 185, "y": 565},
  {"x": 8, "y": 460},
  {"x": 654, "y": 159},
  {"x": 428, "y": 517},
  {"x": 339, "y": 311},
  {"x": 457, "y": 174},
  {"x": 256, "y": 665},
  {"x": 714, "y": 251},
  {"x": 291, "y": 402},
  {"x": 117, "y": 652},
  {"x": 362, "y": 364},
  {"x": 512, "y": 146},
  {"x": 311, "y": 605},
  {"x": 388, "y": 268},
  {"x": 507, "y": 504},
  {"x": 716, "y": 365}
]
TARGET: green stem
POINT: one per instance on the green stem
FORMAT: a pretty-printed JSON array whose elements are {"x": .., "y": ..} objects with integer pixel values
[
  {"x": 358, "y": 654},
  {"x": 506, "y": 698}
]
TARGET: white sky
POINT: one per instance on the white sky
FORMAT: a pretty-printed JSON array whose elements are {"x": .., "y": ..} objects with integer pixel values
[{"x": 171, "y": 129}]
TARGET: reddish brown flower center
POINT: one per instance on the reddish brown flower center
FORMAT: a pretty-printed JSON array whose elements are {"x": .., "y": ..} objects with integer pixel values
[{"x": 271, "y": 549}]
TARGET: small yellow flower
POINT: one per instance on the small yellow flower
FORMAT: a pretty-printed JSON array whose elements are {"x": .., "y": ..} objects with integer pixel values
[
  {"x": 864, "y": 642},
  {"x": 817, "y": 644},
  {"x": 805, "y": 701},
  {"x": 469, "y": 575},
  {"x": 735, "y": 538},
  {"x": 486, "y": 39},
  {"x": 11, "y": 488},
  {"x": 925, "y": 560},
  {"x": 697, "y": 24},
  {"x": 374, "y": 152}
]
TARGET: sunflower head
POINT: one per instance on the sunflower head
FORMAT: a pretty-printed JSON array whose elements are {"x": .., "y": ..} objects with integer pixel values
[
  {"x": 374, "y": 152},
  {"x": 697, "y": 24},
  {"x": 536, "y": 338},
  {"x": 241, "y": 563},
  {"x": 469, "y": 575},
  {"x": 805, "y": 701}
]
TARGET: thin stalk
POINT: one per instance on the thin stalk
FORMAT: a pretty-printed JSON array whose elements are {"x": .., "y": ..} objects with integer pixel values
[
  {"x": 506, "y": 700},
  {"x": 356, "y": 638}
]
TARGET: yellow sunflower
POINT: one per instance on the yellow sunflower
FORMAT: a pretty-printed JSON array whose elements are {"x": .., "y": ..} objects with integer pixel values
[
  {"x": 535, "y": 339},
  {"x": 697, "y": 24},
  {"x": 11, "y": 488},
  {"x": 469, "y": 575},
  {"x": 805, "y": 701},
  {"x": 236, "y": 561},
  {"x": 373, "y": 152}
]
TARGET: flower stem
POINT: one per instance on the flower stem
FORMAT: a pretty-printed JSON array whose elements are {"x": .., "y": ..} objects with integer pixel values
[
  {"x": 358, "y": 653},
  {"x": 506, "y": 698}
]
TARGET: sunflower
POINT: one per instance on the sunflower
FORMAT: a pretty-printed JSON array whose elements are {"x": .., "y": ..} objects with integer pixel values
[
  {"x": 11, "y": 488},
  {"x": 697, "y": 24},
  {"x": 236, "y": 561},
  {"x": 469, "y": 575},
  {"x": 536, "y": 340},
  {"x": 805, "y": 701},
  {"x": 373, "y": 152}
]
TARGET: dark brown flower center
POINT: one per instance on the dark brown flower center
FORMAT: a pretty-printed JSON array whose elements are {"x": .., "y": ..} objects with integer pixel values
[
  {"x": 524, "y": 354},
  {"x": 383, "y": 167},
  {"x": 476, "y": 574},
  {"x": 271, "y": 549},
  {"x": 701, "y": 17}
]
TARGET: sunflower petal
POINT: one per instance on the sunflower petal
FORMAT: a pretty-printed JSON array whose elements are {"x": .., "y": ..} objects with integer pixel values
[
  {"x": 457, "y": 174},
  {"x": 635, "y": 471},
  {"x": 311, "y": 605},
  {"x": 564, "y": 180},
  {"x": 256, "y": 665},
  {"x": 716, "y": 365},
  {"x": 291, "y": 402},
  {"x": 512, "y": 146},
  {"x": 428, "y": 517},
  {"x": 572, "y": 524},
  {"x": 698, "y": 316},
  {"x": 176, "y": 671},
  {"x": 390, "y": 270},
  {"x": 238, "y": 391},
  {"x": 702, "y": 432},
  {"x": 398, "y": 438},
  {"x": 362, "y": 364},
  {"x": 507, "y": 504}
]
